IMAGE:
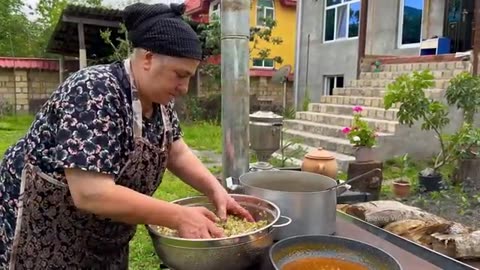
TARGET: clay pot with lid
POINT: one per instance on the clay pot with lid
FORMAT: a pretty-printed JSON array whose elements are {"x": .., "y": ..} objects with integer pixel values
[{"x": 320, "y": 161}]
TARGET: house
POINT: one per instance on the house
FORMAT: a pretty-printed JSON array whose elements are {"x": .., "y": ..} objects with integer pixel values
[
  {"x": 284, "y": 13},
  {"x": 338, "y": 66}
]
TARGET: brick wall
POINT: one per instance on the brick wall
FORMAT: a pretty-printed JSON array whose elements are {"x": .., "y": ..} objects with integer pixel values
[{"x": 26, "y": 90}]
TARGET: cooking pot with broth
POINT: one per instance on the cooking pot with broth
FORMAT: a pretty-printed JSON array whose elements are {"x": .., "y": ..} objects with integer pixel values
[{"x": 327, "y": 252}]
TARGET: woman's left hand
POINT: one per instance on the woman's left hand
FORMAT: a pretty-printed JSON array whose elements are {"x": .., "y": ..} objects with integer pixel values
[{"x": 226, "y": 204}]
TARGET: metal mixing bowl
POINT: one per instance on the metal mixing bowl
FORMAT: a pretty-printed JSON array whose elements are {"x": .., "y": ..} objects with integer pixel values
[{"x": 240, "y": 252}]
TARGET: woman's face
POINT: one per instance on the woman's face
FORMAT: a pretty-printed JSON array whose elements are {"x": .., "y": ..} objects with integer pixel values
[{"x": 163, "y": 78}]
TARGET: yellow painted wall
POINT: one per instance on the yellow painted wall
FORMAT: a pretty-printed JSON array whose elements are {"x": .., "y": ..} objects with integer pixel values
[{"x": 286, "y": 26}]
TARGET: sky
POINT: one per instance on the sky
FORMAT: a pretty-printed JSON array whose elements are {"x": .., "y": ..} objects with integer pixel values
[{"x": 414, "y": 3}]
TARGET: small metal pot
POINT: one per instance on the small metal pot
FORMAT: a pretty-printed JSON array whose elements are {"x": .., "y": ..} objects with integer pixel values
[
  {"x": 241, "y": 252},
  {"x": 309, "y": 199},
  {"x": 327, "y": 246}
]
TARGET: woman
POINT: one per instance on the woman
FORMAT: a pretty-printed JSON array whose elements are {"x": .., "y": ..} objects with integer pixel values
[{"x": 74, "y": 188}]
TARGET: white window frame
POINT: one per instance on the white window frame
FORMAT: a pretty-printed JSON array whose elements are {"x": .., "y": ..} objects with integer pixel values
[
  {"x": 326, "y": 82},
  {"x": 263, "y": 62},
  {"x": 264, "y": 9},
  {"x": 400, "y": 27},
  {"x": 212, "y": 12},
  {"x": 346, "y": 3}
]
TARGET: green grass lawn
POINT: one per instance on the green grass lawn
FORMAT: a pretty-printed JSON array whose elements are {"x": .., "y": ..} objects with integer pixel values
[
  {"x": 12, "y": 129},
  {"x": 203, "y": 136}
]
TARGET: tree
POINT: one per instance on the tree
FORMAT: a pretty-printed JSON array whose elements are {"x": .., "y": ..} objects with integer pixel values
[{"x": 19, "y": 35}]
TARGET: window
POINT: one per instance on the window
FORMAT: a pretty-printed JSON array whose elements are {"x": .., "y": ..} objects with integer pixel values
[
  {"x": 410, "y": 24},
  {"x": 263, "y": 63},
  {"x": 264, "y": 10},
  {"x": 215, "y": 10},
  {"x": 332, "y": 82},
  {"x": 342, "y": 19}
]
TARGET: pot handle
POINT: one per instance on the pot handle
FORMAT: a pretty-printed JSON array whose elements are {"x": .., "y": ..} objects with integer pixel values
[
  {"x": 342, "y": 188},
  {"x": 233, "y": 185},
  {"x": 286, "y": 223}
]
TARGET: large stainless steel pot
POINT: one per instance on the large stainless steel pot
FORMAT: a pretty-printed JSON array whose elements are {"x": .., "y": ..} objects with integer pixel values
[
  {"x": 309, "y": 199},
  {"x": 234, "y": 253}
]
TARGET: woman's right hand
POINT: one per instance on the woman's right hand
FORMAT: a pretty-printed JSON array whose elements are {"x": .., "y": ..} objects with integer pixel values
[{"x": 197, "y": 222}]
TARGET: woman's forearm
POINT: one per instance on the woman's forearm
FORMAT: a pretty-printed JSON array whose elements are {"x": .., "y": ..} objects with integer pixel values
[
  {"x": 125, "y": 205},
  {"x": 98, "y": 194}
]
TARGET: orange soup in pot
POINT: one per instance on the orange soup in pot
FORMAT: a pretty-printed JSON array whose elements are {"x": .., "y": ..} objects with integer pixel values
[{"x": 319, "y": 263}]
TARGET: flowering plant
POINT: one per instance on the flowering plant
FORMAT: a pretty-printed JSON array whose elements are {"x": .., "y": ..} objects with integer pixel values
[{"x": 360, "y": 134}]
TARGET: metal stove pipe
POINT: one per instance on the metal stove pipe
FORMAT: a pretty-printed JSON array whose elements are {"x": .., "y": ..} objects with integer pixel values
[{"x": 235, "y": 34}]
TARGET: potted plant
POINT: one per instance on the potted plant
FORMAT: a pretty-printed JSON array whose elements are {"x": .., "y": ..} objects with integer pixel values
[
  {"x": 402, "y": 186},
  {"x": 409, "y": 91},
  {"x": 361, "y": 136}
]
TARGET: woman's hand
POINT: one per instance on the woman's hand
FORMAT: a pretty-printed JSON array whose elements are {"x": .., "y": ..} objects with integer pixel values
[
  {"x": 226, "y": 204},
  {"x": 197, "y": 222}
]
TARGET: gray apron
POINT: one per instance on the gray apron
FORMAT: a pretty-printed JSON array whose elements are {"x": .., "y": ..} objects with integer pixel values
[{"x": 51, "y": 233}]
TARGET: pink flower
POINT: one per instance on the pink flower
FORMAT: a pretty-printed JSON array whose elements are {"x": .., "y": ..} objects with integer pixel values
[
  {"x": 357, "y": 109},
  {"x": 346, "y": 130}
]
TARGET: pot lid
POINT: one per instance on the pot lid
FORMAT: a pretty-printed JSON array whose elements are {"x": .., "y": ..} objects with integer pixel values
[
  {"x": 262, "y": 166},
  {"x": 266, "y": 115},
  {"x": 320, "y": 153}
]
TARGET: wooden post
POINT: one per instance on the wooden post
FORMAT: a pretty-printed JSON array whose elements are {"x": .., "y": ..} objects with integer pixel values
[
  {"x": 371, "y": 184},
  {"x": 61, "y": 68},
  {"x": 362, "y": 35},
  {"x": 81, "y": 46},
  {"x": 476, "y": 37}
]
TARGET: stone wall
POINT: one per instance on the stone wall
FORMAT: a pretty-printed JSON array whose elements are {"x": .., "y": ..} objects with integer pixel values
[
  {"x": 271, "y": 93},
  {"x": 264, "y": 90},
  {"x": 26, "y": 90}
]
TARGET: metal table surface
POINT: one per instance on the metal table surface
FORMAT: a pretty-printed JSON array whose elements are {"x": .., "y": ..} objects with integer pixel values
[{"x": 409, "y": 254}]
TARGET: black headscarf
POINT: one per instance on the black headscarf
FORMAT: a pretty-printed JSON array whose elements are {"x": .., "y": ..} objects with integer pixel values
[{"x": 161, "y": 29}]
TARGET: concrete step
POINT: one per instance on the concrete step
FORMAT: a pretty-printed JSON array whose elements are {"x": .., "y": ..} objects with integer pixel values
[
  {"x": 360, "y": 92},
  {"x": 346, "y": 120},
  {"x": 371, "y": 92},
  {"x": 341, "y": 146},
  {"x": 371, "y": 112},
  {"x": 451, "y": 65},
  {"x": 377, "y": 83},
  {"x": 319, "y": 128},
  {"x": 355, "y": 100},
  {"x": 388, "y": 75},
  {"x": 296, "y": 152}
]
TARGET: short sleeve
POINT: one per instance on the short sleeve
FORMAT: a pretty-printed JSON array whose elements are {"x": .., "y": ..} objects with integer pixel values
[
  {"x": 91, "y": 133},
  {"x": 177, "y": 130}
]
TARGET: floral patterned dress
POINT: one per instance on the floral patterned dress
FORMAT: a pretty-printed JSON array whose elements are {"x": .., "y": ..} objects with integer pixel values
[{"x": 92, "y": 122}]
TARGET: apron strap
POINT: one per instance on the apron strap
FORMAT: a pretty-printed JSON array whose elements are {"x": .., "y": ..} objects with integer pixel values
[
  {"x": 137, "y": 110},
  {"x": 136, "y": 104}
]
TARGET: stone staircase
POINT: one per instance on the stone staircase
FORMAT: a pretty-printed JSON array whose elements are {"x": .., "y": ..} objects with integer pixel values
[{"x": 321, "y": 125}]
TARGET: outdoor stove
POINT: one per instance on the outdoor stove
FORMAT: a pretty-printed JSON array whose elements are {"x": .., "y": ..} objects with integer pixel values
[{"x": 265, "y": 137}]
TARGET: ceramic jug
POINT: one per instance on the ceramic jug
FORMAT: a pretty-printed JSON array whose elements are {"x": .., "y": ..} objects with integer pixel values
[{"x": 320, "y": 161}]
